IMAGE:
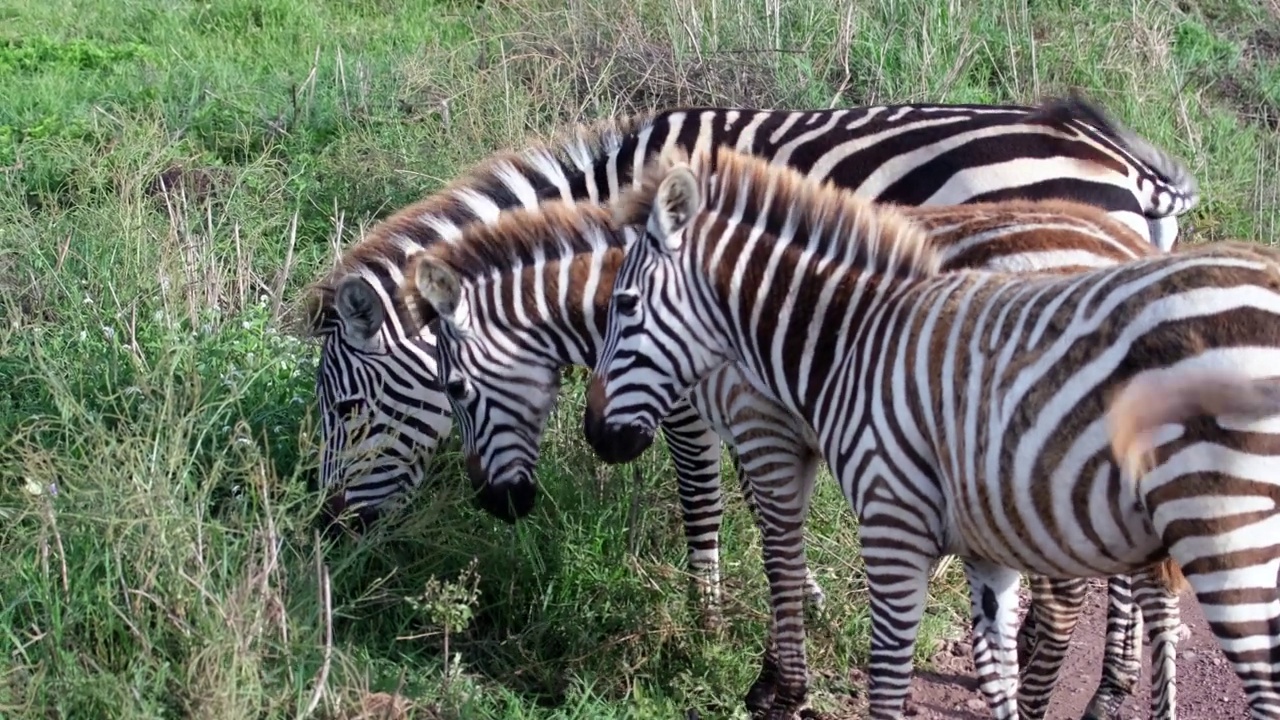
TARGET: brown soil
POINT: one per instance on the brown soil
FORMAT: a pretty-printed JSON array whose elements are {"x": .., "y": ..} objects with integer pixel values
[{"x": 1207, "y": 687}]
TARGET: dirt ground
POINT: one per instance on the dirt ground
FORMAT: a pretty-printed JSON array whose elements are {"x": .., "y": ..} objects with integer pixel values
[{"x": 1207, "y": 687}]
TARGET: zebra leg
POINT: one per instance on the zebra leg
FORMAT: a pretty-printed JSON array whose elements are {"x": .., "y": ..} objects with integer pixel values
[
  {"x": 1156, "y": 592},
  {"x": 776, "y": 470},
  {"x": 695, "y": 452},
  {"x": 814, "y": 595},
  {"x": 781, "y": 477},
  {"x": 760, "y": 695},
  {"x": 1121, "y": 660},
  {"x": 898, "y": 586},
  {"x": 1044, "y": 639},
  {"x": 993, "y": 591},
  {"x": 1235, "y": 582}
]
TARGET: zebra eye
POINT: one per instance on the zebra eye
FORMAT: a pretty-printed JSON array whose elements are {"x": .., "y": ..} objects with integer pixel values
[
  {"x": 457, "y": 388},
  {"x": 627, "y": 301}
]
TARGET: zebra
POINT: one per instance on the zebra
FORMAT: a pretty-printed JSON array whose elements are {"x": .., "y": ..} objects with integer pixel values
[
  {"x": 525, "y": 297},
  {"x": 381, "y": 408},
  {"x": 971, "y": 412},
  {"x": 383, "y": 411}
]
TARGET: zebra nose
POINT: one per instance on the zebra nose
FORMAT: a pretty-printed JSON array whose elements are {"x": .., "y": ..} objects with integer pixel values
[
  {"x": 335, "y": 520},
  {"x": 509, "y": 500},
  {"x": 614, "y": 443}
]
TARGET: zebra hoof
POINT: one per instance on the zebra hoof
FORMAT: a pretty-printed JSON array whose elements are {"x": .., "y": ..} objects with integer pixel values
[
  {"x": 816, "y": 598},
  {"x": 790, "y": 706},
  {"x": 1103, "y": 707},
  {"x": 759, "y": 699},
  {"x": 711, "y": 620}
]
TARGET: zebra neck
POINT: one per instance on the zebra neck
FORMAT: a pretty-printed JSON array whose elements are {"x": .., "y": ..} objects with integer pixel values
[
  {"x": 561, "y": 306},
  {"x": 803, "y": 337}
]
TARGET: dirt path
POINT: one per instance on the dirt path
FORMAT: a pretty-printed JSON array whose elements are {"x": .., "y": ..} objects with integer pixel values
[{"x": 1207, "y": 687}]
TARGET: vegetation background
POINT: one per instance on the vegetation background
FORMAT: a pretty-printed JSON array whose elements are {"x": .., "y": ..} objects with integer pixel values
[{"x": 173, "y": 172}]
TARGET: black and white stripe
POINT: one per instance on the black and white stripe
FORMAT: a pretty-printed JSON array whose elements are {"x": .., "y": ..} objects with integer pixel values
[
  {"x": 968, "y": 412},
  {"x": 376, "y": 382},
  {"x": 521, "y": 299}
]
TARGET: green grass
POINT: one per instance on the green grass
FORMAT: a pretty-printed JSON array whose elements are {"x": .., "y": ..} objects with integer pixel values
[{"x": 172, "y": 173}]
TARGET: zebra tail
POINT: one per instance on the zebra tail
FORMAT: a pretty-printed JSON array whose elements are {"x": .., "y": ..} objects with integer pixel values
[
  {"x": 1150, "y": 401},
  {"x": 1169, "y": 575}
]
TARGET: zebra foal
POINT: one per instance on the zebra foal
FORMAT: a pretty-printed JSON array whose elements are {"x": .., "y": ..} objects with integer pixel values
[
  {"x": 521, "y": 299},
  {"x": 966, "y": 412}
]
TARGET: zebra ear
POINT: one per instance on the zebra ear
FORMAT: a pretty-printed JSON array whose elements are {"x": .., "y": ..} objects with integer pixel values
[
  {"x": 439, "y": 286},
  {"x": 359, "y": 308},
  {"x": 674, "y": 205}
]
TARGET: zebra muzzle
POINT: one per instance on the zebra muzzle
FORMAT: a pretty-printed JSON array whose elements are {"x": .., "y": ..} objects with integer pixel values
[
  {"x": 509, "y": 500},
  {"x": 615, "y": 443}
]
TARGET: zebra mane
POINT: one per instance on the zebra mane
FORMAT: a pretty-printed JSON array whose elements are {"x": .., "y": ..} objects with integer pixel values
[
  {"x": 832, "y": 222},
  {"x": 520, "y": 238},
  {"x": 386, "y": 248},
  {"x": 1076, "y": 107}
]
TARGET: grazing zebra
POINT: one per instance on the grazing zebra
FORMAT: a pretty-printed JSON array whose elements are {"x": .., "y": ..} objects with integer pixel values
[
  {"x": 382, "y": 409},
  {"x": 525, "y": 297},
  {"x": 967, "y": 412}
]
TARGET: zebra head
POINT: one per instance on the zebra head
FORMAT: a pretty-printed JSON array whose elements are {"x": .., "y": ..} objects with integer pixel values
[
  {"x": 381, "y": 409},
  {"x": 500, "y": 404},
  {"x": 657, "y": 344}
]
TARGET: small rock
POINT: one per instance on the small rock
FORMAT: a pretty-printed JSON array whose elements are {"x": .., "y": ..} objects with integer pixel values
[
  {"x": 1191, "y": 655},
  {"x": 976, "y": 704}
]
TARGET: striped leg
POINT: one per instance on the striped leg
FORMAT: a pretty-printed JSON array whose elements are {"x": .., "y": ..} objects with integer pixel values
[
  {"x": 1044, "y": 638},
  {"x": 1246, "y": 620},
  {"x": 1157, "y": 595},
  {"x": 993, "y": 590},
  {"x": 778, "y": 472},
  {"x": 1121, "y": 664},
  {"x": 898, "y": 585},
  {"x": 695, "y": 452},
  {"x": 1046, "y": 634},
  {"x": 815, "y": 597}
]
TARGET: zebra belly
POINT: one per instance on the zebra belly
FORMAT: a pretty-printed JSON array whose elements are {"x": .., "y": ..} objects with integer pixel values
[{"x": 1106, "y": 534}]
